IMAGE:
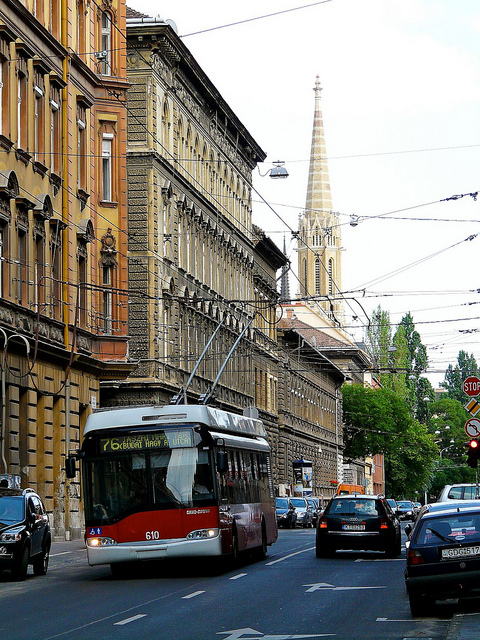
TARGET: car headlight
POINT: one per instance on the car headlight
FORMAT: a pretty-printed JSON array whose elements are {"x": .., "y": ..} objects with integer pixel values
[
  {"x": 101, "y": 542},
  {"x": 201, "y": 534},
  {"x": 13, "y": 535}
]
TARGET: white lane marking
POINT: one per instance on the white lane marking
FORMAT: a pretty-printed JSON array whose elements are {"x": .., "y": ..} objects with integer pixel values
[
  {"x": 239, "y": 575},
  {"x": 410, "y": 620},
  {"x": 132, "y": 619},
  {"x": 268, "y": 564},
  {"x": 380, "y": 559},
  {"x": 192, "y": 595}
]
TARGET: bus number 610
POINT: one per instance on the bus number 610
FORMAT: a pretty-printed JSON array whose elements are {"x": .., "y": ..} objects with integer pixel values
[{"x": 152, "y": 535}]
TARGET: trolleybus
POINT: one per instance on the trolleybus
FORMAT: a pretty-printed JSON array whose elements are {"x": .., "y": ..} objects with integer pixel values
[{"x": 174, "y": 481}]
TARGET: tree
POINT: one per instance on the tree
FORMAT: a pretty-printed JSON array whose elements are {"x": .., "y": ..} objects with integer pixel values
[
  {"x": 380, "y": 421},
  {"x": 454, "y": 376}
]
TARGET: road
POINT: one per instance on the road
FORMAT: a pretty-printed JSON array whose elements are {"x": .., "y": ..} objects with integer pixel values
[{"x": 291, "y": 594}]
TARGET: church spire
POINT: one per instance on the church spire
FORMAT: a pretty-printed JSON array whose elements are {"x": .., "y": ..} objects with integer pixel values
[
  {"x": 319, "y": 197},
  {"x": 319, "y": 256}
]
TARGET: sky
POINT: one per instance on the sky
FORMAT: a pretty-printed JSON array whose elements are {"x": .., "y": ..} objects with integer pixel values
[{"x": 401, "y": 110}]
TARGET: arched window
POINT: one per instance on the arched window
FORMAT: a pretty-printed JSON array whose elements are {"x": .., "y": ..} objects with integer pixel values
[
  {"x": 317, "y": 276},
  {"x": 330, "y": 276}
]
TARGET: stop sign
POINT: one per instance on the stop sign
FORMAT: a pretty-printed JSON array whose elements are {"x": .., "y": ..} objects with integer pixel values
[{"x": 471, "y": 386}]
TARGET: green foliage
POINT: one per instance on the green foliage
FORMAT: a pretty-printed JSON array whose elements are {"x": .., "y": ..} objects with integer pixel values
[
  {"x": 379, "y": 421},
  {"x": 454, "y": 376}
]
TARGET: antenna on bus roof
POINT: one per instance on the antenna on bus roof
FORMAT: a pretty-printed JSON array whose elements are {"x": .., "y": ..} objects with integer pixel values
[
  {"x": 206, "y": 397},
  {"x": 183, "y": 392}
]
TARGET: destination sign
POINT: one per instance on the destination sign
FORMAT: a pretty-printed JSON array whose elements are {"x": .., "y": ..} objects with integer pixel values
[{"x": 173, "y": 439}]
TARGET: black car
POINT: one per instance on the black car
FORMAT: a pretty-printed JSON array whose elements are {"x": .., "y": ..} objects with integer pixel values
[
  {"x": 405, "y": 510},
  {"x": 443, "y": 557},
  {"x": 358, "y": 522},
  {"x": 25, "y": 536},
  {"x": 286, "y": 514}
]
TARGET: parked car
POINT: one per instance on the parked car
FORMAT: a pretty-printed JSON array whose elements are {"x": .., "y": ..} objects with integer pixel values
[
  {"x": 430, "y": 507},
  {"x": 443, "y": 557},
  {"x": 457, "y": 492},
  {"x": 393, "y": 504},
  {"x": 304, "y": 511},
  {"x": 360, "y": 522},
  {"x": 25, "y": 536},
  {"x": 286, "y": 514},
  {"x": 405, "y": 510},
  {"x": 316, "y": 509}
]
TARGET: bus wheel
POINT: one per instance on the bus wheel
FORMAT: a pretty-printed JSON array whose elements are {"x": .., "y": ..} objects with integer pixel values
[{"x": 262, "y": 549}]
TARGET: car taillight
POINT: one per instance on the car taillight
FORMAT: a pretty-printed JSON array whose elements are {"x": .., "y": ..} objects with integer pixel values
[
  {"x": 322, "y": 523},
  {"x": 384, "y": 524},
  {"x": 414, "y": 557}
]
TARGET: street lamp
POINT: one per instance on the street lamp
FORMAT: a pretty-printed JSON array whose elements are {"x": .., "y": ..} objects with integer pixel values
[{"x": 277, "y": 171}]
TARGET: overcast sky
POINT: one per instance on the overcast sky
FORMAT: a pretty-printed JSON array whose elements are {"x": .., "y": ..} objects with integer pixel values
[{"x": 400, "y": 101}]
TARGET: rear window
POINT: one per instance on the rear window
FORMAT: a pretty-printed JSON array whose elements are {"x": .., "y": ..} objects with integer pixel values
[
  {"x": 354, "y": 507},
  {"x": 462, "y": 493},
  {"x": 449, "y": 528}
]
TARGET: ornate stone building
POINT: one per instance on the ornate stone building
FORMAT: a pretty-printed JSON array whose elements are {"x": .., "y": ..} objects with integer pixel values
[
  {"x": 197, "y": 264},
  {"x": 62, "y": 234}
]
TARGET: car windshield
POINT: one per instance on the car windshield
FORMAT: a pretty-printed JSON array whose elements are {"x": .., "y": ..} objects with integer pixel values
[
  {"x": 282, "y": 503},
  {"x": 11, "y": 509},
  {"x": 405, "y": 504},
  {"x": 298, "y": 502},
  {"x": 354, "y": 507},
  {"x": 453, "y": 528}
]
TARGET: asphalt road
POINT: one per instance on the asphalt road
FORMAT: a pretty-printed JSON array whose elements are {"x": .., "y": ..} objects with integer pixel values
[{"x": 291, "y": 594}]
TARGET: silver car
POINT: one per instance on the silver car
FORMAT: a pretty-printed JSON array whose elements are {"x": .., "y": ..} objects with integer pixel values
[{"x": 304, "y": 512}]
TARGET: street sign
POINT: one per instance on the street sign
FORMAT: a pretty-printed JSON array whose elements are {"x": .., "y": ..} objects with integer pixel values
[
  {"x": 473, "y": 407},
  {"x": 471, "y": 386},
  {"x": 472, "y": 427}
]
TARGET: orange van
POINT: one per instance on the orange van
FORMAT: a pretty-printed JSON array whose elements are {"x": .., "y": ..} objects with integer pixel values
[{"x": 344, "y": 489}]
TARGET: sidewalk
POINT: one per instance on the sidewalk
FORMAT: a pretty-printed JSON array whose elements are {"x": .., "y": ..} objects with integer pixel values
[{"x": 464, "y": 626}]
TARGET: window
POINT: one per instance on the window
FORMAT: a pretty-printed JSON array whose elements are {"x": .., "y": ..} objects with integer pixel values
[
  {"x": 81, "y": 152},
  {"x": 21, "y": 266},
  {"x": 330, "y": 276},
  {"x": 55, "y": 244},
  {"x": 82, "y": 294},
  {"x": 317, "y": 276},
  {"x": 39, "y": 123},
  {"x": 3, "y": 95},
  {"x": 39, "y": 270},
  {"x": 107, "y": 299},
  {"x": 55, "y": 134},
  {"x": 21, "y": 110},
  {"x": 107, "y": 167},
  {"x": 3, "y": 255},
  {"x": 106, "y": 49}
]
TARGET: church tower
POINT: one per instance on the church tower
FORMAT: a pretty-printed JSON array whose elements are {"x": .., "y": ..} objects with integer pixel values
[{"x": 319, "y": 244}]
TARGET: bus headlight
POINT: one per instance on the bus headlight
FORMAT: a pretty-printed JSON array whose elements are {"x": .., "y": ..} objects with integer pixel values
[
  {"x": 100, "y": 542},
  {"x": 201, "y": 534}
]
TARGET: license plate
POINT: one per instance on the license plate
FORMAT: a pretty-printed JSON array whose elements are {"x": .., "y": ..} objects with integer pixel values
[
  {"x": 353, "y": 527},
  {"x": 461, "y": 552}
]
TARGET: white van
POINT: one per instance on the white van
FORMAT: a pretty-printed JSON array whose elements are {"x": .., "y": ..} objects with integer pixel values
[{"x": 458, "y": 492}]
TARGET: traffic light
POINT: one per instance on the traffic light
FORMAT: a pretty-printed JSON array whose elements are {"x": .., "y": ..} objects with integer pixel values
[{"x": 473, "y": 453}]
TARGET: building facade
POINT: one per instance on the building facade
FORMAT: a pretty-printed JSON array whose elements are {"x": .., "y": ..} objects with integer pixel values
[
  {"x": 62, "y": 234},
  {"x": 198, "y": 267}
]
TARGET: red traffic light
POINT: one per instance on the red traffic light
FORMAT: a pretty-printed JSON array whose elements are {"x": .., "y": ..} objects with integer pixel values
[{"x": 473, "y": 453}]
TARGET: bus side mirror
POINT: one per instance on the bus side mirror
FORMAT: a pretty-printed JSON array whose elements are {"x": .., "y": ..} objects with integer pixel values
[
  {"x": 70, "y": 467},
  {"x": 222, "y": 462}
]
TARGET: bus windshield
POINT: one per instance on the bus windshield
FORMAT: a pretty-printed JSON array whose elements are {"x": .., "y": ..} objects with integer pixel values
[{"x": 126, "y": 483}]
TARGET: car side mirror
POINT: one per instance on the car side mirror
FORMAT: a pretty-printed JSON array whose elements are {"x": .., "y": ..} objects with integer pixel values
[{"x": 408, "y": 529}]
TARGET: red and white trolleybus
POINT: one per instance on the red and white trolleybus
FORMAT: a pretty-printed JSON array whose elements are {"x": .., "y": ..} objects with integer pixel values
[{"x": 175, "y": 481}]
